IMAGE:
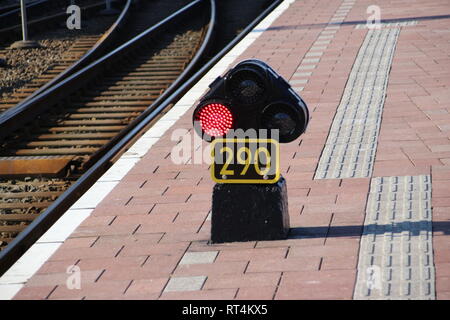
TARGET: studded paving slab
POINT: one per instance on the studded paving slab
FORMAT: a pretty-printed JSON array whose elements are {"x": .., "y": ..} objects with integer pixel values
[
  {"x": 376, "y": 227},
  {"x": 351, "y": 145},
  {"x": 396, "y": 255}
]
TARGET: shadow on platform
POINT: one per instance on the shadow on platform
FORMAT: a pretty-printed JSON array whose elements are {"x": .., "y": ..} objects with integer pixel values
[{"x": 356, "y": 231}]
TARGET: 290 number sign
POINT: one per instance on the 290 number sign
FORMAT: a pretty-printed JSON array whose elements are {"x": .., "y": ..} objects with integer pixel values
[{"x": 245, "y": 161}]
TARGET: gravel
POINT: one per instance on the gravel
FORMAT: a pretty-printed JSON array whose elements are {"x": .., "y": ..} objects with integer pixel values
[
  {"x": 24, "y": 65},
  {"x": 29, "y": 184}
]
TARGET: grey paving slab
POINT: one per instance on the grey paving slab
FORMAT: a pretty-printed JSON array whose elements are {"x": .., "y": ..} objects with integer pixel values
[
  {"x": 185, "y": 284},
  {"x": 199, "y": 257}
]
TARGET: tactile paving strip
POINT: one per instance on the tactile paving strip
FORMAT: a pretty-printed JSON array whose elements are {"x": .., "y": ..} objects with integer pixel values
[
  {"x": 351, "y": 145},
  {"x": 396, "y": 254}
]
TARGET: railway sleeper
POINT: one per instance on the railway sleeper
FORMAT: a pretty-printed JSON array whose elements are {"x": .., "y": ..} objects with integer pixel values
[
  {"x": 23, "y": 166},
  {"x": 21, "y": 195},
  {"x": 115, "y": 97},
  {"x": 18, "y": 217},
  {"x": 94, "y": 116},
  {"x": 110, "y": 103},
  {"x": 91, "y": 122},
  {"x": 82, "y": 129},
  {"x": 105, "y": 109},
  {"x": 12, "y": 228},
  {"x": 135, "y": 83},
  {"x": 64, "y": 143},
  {"x": 103, "y": 135},
  {"x": 24, "y": 205},
  {"x": 56, "y": 151},
  {"x": 155, "y": 78}
]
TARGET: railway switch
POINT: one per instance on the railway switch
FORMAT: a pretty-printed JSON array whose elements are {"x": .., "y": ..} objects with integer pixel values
[{"x": 246, "y": 113}]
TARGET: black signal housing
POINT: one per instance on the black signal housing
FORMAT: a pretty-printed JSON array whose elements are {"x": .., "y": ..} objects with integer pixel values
[{"x": 257, "y": 98}]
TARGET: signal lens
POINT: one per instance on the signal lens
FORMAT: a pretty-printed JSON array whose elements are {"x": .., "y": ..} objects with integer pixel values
[
  {"x": 286, "y": 119},
  {"x": 247, "y": 86},
  {"x": 215, "y": 119}
]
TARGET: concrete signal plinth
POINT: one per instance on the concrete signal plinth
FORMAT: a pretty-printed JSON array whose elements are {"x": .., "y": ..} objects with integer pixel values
[{"x": 249, "y": 212}]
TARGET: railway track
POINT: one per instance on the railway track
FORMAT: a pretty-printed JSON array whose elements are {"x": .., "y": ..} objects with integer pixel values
[
  {"x": 81, "y": 46},
  {"x": 108, "y": 104},
  {"x": 87, "y": 47},
  {"x": 88, "y": 44},
  {"x": 80, "y": 126},
  {"x": 17, "y": 212},
  {"x": 55, "y": 145}
]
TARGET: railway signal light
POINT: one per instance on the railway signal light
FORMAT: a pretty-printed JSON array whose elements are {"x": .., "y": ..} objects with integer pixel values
[
  {"x": 251, "y": 96},
  {"x": 250, "y": 197}
]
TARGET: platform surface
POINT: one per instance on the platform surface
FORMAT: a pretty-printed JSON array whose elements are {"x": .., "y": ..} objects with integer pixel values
[{"x": 368, "y": 183}]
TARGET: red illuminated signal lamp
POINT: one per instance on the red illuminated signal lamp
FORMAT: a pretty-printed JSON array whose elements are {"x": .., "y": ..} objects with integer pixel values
[{"x": 213, "y": 120}]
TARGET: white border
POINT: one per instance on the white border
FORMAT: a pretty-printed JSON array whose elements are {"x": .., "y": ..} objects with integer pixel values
[{"x": 17, "y": 276}]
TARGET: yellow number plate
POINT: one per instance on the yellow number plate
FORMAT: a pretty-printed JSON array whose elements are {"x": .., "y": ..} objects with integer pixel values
[{"x": 245, "y": 161}]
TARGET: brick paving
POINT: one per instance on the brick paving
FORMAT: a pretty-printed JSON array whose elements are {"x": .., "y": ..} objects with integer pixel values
[{"x": 148, "y": 239}]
